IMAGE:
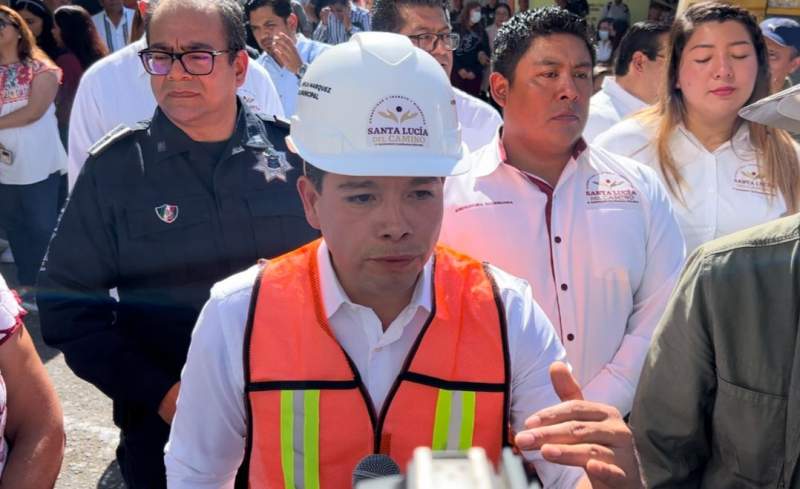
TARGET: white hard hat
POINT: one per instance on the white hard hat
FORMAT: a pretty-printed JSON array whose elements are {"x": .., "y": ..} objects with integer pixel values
[
  {"x": 781, "y": 110},
  {"x": 378, "y": 106}
]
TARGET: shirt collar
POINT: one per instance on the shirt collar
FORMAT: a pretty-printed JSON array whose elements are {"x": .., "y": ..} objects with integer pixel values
[
  {"x": 740, "y": 137},
  {"x": 491, "y": 156},
  {"x": 334, "y": 296},
  {"x": 630, "y": 102},
  {"x": 249, "y": 132}
]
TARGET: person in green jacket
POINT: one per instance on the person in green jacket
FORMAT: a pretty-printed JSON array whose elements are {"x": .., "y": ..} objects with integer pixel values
[{"x": 718, "y": 402}]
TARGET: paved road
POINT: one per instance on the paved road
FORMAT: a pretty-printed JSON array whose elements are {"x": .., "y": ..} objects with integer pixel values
[{"x": 91, "y": 435}]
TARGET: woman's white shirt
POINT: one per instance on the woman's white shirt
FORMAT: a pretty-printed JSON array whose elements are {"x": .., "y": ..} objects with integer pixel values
[
  {"x": 36, "y": 147},
  {"x": 723, "y": 191}
]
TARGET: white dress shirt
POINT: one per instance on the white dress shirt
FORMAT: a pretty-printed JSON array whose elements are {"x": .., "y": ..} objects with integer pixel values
[
  {"x": 601, "y": 251},
  {"x": 609, "y": 106},
  {"x": 286, "y": 82},
  {"x": 208, "y": 457},
  {"x": 722, "y": 192},
  {"x": 116, "y": 90},
  {"x": 117, "y": 36},
  {"x": 479, "y": 120},
  {"x": 335, "y": 33}
]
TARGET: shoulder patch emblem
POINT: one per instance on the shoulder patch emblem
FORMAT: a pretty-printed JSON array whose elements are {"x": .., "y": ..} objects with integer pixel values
[{"x": 119, "y": 132}]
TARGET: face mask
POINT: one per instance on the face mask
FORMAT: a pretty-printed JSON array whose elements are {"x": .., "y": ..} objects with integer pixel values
[
  {"x": 603, "y": 35},
  {"x": 475, "y": 16}
]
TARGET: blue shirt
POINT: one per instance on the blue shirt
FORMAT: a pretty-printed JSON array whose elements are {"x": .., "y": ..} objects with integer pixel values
[
  {"x": 286, "y": 82},
  {"x": 335, "y": 33}
]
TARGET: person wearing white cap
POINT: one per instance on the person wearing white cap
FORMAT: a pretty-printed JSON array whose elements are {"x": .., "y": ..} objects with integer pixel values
[
  {"x": 723, "y": 173},
  {"x": 718, "y": 403},
  {"x": 593, "y": 232},
  {"x": 374, "y": 339},
  {"x": 782, "y": 36}
]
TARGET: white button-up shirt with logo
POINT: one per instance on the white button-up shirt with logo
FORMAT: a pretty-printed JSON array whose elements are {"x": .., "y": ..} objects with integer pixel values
[
  {"x": 116, "y": 90},
  {"x": 209, "y": 457},
  {"x": 601, "y": 251},
  {"x": 609, "y": 106},
  {"x": 723, "y": 190}
]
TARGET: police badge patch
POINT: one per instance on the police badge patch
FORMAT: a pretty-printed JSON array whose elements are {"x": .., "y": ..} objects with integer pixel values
[
  {"x": 273, "y": 164},
  {"x": 167, "y": 213}
]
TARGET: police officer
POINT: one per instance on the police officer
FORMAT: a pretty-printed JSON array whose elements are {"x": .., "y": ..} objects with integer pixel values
[{"x": 160, "y": 212}]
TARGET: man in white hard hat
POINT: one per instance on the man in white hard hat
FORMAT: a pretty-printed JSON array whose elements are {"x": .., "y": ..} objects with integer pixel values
[
  {"x": 724, "y": 366},
  {"x": 374, "y": 339}
]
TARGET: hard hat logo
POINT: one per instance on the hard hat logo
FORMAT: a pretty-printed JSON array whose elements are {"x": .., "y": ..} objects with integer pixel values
[{"x": 397, "y": 121}]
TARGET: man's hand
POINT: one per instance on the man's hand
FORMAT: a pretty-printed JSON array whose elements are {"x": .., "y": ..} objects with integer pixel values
[
  {"x": 324, "y": 14},
  {"x": 466, "y": 74},
  {"x": 583, "y": 434},
  {"x": 285, "y": 52},
  {"x": 167, "y": 407},
  {"x": 483, "y": 58}
]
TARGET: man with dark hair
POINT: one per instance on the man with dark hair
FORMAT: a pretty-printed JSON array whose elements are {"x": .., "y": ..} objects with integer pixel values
[
  {"x": 116, "y": 90},
  {"x": 160, "y": 212},
  {"x": 617, "y": 10},
  {"x": 287, "y": 53},
  {"x": 638, "y": 75},
  {"x": 113, "y": 24},
  {"x": 427, "y": 24},
  {"x": 593, "y": 233},
  {"x": 339, "y": 20}
]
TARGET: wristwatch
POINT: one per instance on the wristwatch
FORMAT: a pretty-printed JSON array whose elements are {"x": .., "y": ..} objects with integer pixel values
[{"x": 301, "y": 71}]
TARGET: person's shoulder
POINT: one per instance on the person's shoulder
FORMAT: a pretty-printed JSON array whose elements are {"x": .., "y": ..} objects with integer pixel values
[
  {"x": 626, "y": 137},
  {"x": 120, "y": 136},
  {"x": 779, "y": 232},
  {"x": 472, "y": 110},
  {"x": 640, "y": 174},
  {"x": 237, "y": 287},
  {"x": 126, "y": 57}
]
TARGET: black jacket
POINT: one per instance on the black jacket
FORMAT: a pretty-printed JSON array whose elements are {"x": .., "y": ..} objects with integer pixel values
[{"x": 143, "y": 219}]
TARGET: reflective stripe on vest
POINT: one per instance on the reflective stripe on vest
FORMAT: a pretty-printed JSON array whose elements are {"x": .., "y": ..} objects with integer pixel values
[{"x": 310, "y": 417}]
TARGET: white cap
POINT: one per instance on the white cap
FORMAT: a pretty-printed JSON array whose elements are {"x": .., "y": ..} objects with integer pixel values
[
  {"x": 781, "y": 110},
  {"x": 378, "y": 106}
]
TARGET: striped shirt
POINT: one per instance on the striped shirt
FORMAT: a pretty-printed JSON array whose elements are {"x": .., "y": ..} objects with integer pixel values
[{"x": 334, "y": 32}]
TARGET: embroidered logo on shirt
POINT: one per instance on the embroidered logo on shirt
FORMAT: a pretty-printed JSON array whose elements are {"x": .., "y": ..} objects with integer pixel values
[
  {"x": 606, "y": 187},
  {"x": 167, "y": 213},
  {"x": 397, "y": 121},
  {"x": 273, "y": 165},
  {"x": 750, "y": 178}
]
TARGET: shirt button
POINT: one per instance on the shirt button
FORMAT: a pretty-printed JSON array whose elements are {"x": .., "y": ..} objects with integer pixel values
[
  {"x": 564, "y": 287},
  {"x": 557, "y": 239},
  {"x": 570, "y": 337}
]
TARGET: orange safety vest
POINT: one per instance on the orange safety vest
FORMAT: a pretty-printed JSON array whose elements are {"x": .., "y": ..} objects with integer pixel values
[{"x": 310, "y": 417}]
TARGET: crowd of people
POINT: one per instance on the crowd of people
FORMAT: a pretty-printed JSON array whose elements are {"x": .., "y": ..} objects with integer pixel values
[{"x": 284, "y": 234}]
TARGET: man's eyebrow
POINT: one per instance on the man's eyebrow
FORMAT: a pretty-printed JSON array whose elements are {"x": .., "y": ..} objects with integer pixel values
[
  {"x": 416, "y": 181},
  {"x": 192, "y": 46},
  {"x": 356, "y": 185}
]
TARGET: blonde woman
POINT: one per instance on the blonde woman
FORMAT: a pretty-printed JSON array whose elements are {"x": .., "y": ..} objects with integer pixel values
[{"x": 723, "y": 173}]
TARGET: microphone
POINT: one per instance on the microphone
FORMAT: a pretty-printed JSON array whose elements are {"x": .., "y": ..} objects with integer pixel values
[{"x": 374, "y": 466}]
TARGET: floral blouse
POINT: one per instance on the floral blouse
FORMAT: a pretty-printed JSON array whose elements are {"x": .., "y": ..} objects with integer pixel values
[{"x": 10, "y": 321}]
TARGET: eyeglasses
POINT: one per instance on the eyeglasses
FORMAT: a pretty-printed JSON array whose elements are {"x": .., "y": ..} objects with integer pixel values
[
  {"x": 159, "y": 63},
  {"x": 428, "y": 42}
]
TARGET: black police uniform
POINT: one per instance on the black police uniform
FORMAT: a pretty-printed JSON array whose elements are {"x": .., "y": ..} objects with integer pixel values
[{"x": 156, "y": 216}]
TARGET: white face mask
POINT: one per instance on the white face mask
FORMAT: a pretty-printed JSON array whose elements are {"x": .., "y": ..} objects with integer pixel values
[
  {"x": 603, "y": 35},
  {"x": 475, "y": 16}
]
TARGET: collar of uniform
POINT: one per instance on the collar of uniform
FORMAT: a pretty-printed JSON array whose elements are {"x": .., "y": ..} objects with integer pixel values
[
  {"x": 487, "y": 165},
  {"x": 334, "y": 296},
  {"x": 615, "y": 91},
  {"x": 741, "y": 136},
  {"x": 171, "y": 140}
]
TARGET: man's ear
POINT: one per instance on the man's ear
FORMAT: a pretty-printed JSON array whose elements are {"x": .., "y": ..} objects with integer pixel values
[
  {"x": 637, "y": 61},
  {"x": 240, "y": 67},
  {"x": 795, "y": 63},
  {"x": 292, "y": 22},
  {"x": 310, "y": 197},
  {"x": 499, "y": 86}
]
